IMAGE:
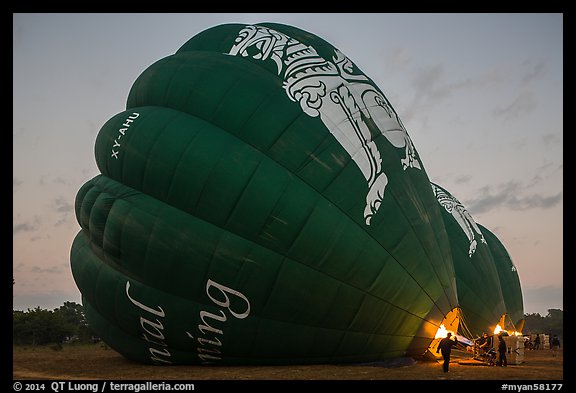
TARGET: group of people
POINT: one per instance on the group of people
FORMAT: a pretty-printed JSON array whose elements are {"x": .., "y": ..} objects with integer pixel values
[
  {"x": 537, "y": 344},
  {"x": 485, "y": 343}
]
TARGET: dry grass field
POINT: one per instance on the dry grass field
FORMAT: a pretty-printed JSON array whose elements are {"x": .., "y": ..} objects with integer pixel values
[{"x": 96, "y": 362}]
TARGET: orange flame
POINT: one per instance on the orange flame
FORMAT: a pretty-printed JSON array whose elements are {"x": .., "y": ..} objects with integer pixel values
[
  {"x": 498, "y": 329},
  {"x": 442, "y": 331}
]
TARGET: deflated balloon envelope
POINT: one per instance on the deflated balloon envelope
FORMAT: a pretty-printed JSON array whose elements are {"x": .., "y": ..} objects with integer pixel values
[{"x": 260, "y": 202}]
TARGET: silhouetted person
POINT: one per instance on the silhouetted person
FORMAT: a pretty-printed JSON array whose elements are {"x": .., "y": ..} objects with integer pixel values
[
  {"x": 537, "y": 342},
  {"x": 502, "y": 361},
  {"x": 485, "y": 343},
  {"x": 555, "y": 345},
  {"x": 445, "y": 346}
]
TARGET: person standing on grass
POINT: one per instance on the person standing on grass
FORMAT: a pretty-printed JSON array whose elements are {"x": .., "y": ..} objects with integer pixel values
[
  {"x": 445, "y": 346},
  {"x": 555, "y": 345},
  {"x": 502, "y": 361}
]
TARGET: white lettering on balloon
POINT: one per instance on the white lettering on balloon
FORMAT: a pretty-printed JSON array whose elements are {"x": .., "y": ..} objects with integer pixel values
[
  {"x": 210, "y": 330},
  {"x": 152, "y": 329},
  {"x": 211, "y": 324},
  {"x": 121, "y": 133},
  {"x": 348, "y": 104}
]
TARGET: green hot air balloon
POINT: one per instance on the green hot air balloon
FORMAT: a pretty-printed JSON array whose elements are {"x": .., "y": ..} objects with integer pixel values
[
  {"x": 509, "y": 279},
  {"x": 479, "y": 294},
  {"x": 260, "y": 202}
]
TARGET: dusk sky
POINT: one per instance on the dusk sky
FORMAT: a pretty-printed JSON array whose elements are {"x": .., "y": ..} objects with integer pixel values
[{"x": 481, "y": 96}]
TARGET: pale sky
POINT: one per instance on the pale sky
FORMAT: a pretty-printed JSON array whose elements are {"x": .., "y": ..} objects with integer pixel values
[{"x": 481, "y": 96}]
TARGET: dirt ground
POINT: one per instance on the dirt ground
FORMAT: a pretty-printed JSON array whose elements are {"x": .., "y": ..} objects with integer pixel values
[{"x": 96, "y": 362}]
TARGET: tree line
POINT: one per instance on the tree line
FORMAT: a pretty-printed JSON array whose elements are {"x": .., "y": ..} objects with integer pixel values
[
  {"x": 552, "y": 323},
  {"x": 68, "y": 323},
  {"x": 41, "y": 327}
]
